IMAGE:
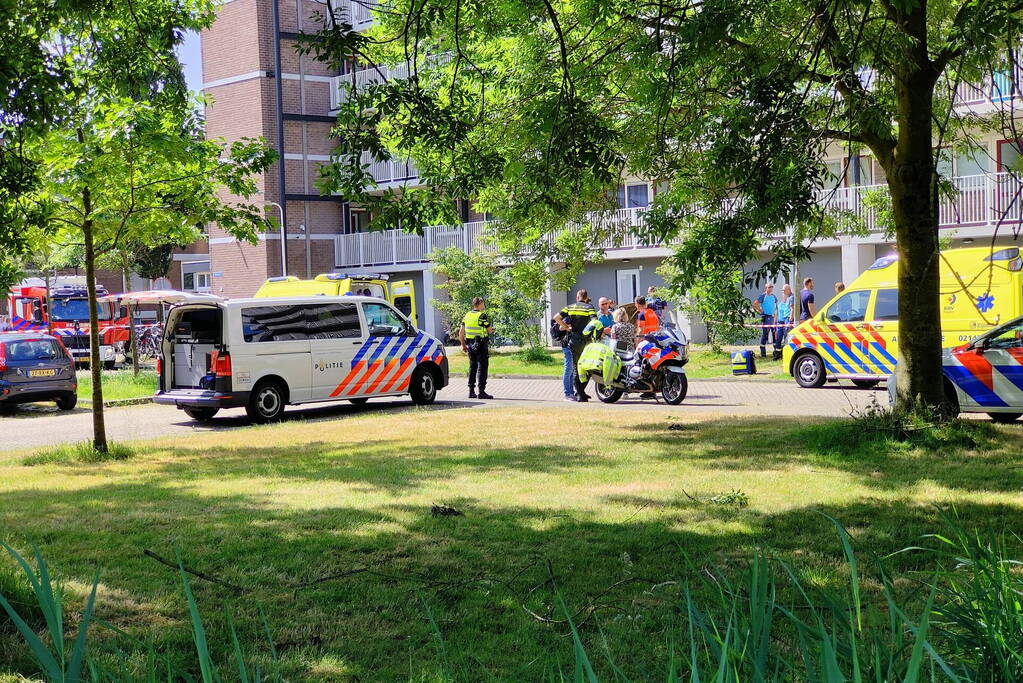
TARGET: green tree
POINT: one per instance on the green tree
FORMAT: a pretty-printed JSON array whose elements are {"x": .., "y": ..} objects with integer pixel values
[
  {"x": 130, "y": 164},
  {"x": 514, "y": 294},
  {"x": 539, "y": 109}
]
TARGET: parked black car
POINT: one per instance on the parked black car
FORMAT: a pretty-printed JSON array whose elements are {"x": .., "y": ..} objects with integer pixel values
[{"x": 36, "y": 367}]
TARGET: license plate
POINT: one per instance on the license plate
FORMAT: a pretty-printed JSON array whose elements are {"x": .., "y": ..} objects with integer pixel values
[{"x": 42, "y": 373}]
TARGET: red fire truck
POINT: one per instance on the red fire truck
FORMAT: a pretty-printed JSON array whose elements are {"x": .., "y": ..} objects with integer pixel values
[{"x": 69, "y": 316}]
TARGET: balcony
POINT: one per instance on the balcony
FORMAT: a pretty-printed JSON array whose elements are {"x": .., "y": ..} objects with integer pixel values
[
  {"x": 992, "y": 199},
  {"x": 986, "y": 201},
  {"x": 397, "y": 247},
  {"x": 356, "y": 12},
  {"x": 341, "y": 86}
]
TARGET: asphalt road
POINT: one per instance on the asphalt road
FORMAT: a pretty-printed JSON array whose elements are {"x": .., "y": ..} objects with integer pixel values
[{"x": 35, "y": 426}]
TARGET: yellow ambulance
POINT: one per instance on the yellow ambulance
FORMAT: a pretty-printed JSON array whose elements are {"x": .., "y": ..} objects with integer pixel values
[
  {"x": 402, "y": 294},
  {"x": 855, "y": 335}
]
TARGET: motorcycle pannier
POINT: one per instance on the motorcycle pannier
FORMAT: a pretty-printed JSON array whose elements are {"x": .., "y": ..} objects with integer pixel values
[{"x": 600, "y": 358}]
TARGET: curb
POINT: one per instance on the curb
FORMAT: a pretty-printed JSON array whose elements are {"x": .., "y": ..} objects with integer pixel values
[{"x": 120, "y": 402}]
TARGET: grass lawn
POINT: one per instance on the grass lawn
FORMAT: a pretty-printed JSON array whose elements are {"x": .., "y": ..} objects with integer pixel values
[
  {"x": 328, "y": 528},
  {"x": 118, "y": 384},
  {"x": 703, "y": 364}
]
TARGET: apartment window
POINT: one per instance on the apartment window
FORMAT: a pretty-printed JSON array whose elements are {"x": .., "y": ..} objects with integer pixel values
[
  {"x": 972, "y": 161},
  {"x": 1009, "y": 156},
  {"x": 195, "y": 281},
  {"x": 636, "y": 196}
]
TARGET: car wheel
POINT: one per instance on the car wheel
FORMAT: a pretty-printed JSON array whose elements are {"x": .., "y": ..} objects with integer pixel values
[
  {"x": 866, "y": 383},
  {"x": 809, "y": 371},
  {"x": 676, "y": 386},
  {"x": 67, "y": 401},
  {"x": 266, "y": 403},
  {"x": 423, "y": 387},
  {"x": 109, "y": 364},
  {"x": 361, "y": 401},
  {"x": 1004, "y": 418},
  {"x": 200, "y": 414},
  {"x": 608, "y": 394}
]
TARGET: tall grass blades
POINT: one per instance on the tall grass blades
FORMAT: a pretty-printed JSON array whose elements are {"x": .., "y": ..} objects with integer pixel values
[
  {"x": 980, "y": 610},
  {"x": 53, "y": 659}
]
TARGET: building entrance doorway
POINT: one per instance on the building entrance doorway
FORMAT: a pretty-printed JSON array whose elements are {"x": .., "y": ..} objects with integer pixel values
[{"x": 628, "y": 285}]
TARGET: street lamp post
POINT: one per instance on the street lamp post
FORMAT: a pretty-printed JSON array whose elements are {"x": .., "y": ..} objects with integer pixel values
[{"x": 284, "y": 239}]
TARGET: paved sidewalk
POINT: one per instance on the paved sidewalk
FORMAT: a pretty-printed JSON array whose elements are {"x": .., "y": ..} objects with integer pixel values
[{"x": 34, "y": 427}]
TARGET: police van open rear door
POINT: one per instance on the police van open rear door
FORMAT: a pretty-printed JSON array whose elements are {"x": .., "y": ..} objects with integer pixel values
[{"x": 403, "y": 296}]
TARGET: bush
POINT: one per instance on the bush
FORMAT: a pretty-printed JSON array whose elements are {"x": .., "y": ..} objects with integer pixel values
[
  {"x": 81, "y": 452},
  {"x": 535, "y": 354}
]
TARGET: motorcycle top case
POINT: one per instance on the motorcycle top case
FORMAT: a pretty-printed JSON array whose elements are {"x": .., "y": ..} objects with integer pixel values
[
  {"x": 602, "y": 359},
  {"x": 744, "y": 363}
]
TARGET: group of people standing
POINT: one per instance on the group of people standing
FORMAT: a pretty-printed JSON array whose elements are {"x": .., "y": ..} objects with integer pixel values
[
  {"x": 777, "y": 314},
  {"x": 579, "y": 323}
]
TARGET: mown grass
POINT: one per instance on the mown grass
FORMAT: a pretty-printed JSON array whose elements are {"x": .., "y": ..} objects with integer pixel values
[
  {"x": 330, "y": 531},
  {"x": 704, "y": 363},
  {"x": 118, "y": 384}
]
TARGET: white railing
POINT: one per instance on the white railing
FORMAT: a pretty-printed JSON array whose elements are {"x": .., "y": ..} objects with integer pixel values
[
  {"x": 390, "y": 171},
  {"x": 356, "y": 12},
  {"x": 341, "y": 86},
  {"x": 979, "y": 200}
]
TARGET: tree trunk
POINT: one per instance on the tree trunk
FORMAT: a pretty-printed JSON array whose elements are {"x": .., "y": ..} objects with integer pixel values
[
  {"x": 913, "y": 186},
  {"x": 99, "y": 431}
]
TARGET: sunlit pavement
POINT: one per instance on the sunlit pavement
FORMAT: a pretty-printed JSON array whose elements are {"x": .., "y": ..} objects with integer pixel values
[{"x": 42, "y": 425}]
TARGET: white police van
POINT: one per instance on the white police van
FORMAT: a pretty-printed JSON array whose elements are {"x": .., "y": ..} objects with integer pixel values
[{"x": 263, "y": 354}]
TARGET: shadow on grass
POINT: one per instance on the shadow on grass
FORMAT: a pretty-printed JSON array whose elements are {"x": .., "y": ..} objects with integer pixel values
[
  {"x": 478, "y": 572},
  {"x": 833, "y": 444}
]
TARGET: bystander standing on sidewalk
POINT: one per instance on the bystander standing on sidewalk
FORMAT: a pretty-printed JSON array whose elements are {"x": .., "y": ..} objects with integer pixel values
[
  {"x": 839, "y": 287},
  {"x": 806, "y": 305},
  {"x": 623, "y": 332},
  {"x": 605, "y": 308},
  {"x": 785, "y": 309},
  {"x": 767, "y": 306}
]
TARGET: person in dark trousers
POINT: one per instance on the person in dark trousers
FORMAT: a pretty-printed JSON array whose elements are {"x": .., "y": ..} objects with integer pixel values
[
  {"x": 767, "y": 306},
  {"x": 806, "y": 304},
  {"x": 573, "y": 319},
  {"x": 475, "y": 337}
]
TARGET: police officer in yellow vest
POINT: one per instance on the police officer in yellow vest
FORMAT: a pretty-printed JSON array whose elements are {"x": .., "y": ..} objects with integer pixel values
[{"x": 475, "y": 337}]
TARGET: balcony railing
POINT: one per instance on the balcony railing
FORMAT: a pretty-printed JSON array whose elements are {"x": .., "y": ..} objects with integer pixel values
[
  {"x": 979, "y": 200},
  {"x": 356, "y": 12},
  {"x": 391, "y": 171},
  {"x": 982, "y": 200}
]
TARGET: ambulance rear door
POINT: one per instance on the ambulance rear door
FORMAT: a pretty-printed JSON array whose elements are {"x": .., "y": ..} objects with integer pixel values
[{"x": 403, "y": 296}]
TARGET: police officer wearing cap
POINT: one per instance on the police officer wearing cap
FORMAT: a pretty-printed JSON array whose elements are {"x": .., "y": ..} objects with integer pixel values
[{"x": 475, "y": 337}]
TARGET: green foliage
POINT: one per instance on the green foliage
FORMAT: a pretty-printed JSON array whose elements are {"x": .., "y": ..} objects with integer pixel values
[
  {"x": 538, "y": 111},
  {"x": 514, "y": 294},
  {"x": 717, "y": 299},
  {"x": 81, "y": 452}
]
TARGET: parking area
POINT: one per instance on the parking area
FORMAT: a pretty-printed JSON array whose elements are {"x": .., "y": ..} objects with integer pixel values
[{"x": 43, "y": 425}]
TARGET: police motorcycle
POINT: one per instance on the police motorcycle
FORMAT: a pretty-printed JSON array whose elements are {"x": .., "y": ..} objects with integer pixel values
[{"x": 657, "y": 365}]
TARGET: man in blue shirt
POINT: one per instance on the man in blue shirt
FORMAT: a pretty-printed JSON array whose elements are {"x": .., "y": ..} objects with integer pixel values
[
  {"x": 605, "y": 312},
  {"x": 767, "y": 306}
]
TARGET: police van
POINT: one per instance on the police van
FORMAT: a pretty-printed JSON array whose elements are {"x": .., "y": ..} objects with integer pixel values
[
  {"x": 855, "y": 335},
  {"x": 263, "y": 354}
]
